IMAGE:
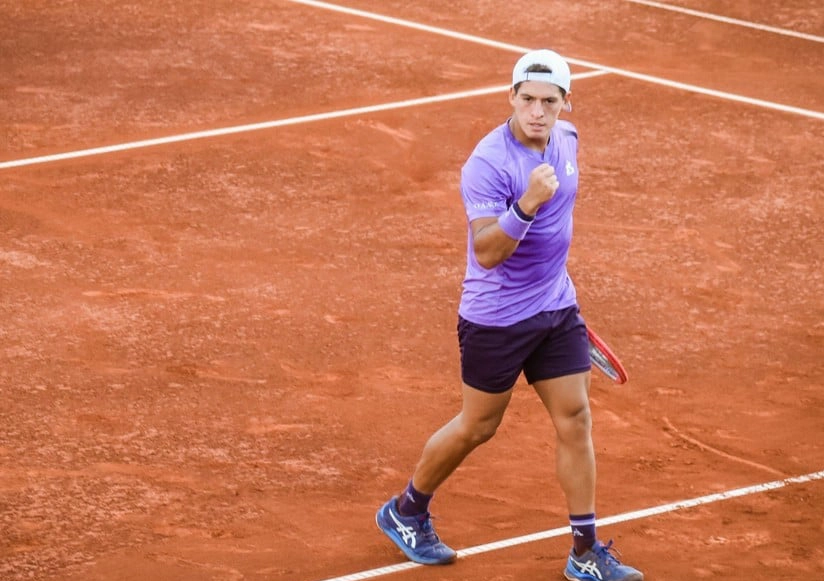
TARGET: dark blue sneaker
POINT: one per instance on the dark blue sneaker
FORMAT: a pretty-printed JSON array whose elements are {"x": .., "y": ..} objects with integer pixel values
[
  {"x": 598, "y": 564},
  {"x": 414, "y": 535}
]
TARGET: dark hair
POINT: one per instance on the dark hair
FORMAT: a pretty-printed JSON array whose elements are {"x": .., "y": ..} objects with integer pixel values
[{"x": 538, "y": 69}]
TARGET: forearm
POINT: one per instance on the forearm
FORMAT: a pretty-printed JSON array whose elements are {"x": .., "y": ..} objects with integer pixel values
[
  {"x": 495, "y": 239},
  {"x": 492, "y": 246}
]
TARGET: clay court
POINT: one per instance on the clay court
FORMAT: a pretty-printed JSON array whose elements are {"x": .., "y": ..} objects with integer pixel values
[{"x": 231, "y": 253}]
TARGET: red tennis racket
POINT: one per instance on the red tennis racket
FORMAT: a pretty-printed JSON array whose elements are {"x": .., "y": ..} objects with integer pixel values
[{"x": 604, "y": 359}]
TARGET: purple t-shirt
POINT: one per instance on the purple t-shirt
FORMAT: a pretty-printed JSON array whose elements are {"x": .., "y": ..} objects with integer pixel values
[{"x": 534, "y": 279}]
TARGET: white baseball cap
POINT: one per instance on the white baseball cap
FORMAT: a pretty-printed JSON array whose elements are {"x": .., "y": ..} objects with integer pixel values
[{"x": 560, "y": 74}]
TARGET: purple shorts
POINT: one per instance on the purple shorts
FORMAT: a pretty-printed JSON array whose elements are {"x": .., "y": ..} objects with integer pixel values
[{"x": 550, "y": 344}]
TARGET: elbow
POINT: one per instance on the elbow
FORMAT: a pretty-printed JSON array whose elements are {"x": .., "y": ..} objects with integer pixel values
[
  {"x": 488, "y": 260},
  {"x": 487, "y": 265}
]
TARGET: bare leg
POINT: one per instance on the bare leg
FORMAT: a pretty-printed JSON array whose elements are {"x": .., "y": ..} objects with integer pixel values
[
  {"x": 567, "y": 401},
  {"x": 479, "y": 418}
]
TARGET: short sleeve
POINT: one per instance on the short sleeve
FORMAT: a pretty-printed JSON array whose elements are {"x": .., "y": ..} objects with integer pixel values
[{"x": 483, "y": 189}]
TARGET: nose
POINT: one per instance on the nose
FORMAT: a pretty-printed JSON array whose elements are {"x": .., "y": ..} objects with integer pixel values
[{"x": 536, "y": 108}]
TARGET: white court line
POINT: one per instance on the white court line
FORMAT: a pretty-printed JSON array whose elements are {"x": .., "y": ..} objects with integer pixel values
[
  {"x": 627, "y": 516},
  {"x": 599, "y": 69},
  {"x": 574, "y": 61},
  {"x": 727, "y": 20},
  {"x": 267, "y": 124}
]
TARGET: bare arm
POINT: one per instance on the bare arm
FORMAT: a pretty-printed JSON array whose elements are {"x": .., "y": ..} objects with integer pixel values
[
  {"x": 489, "y": 242},
  {"x": 491, "y": 245}
]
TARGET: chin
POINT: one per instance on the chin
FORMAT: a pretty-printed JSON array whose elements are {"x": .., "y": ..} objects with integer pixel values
[{"x": 542, "y": 134}]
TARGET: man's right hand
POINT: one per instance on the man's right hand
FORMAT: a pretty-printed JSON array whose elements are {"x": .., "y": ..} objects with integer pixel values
[{"x": 543, "y": 183}]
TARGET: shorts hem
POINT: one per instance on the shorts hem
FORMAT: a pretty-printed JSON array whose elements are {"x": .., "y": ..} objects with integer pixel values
[
  {"x": 563, "y": 374},
  {"x": 487, "y": 389}
]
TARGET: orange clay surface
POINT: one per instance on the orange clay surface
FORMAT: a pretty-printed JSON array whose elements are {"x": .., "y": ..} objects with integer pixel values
[{"x": 218, "y": 357}]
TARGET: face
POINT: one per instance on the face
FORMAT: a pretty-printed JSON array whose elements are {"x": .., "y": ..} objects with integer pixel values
[{"x": 535, "y": 107}]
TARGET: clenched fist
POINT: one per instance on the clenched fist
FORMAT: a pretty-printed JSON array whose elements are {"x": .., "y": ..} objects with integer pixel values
[{"x": 543, "y": 183}]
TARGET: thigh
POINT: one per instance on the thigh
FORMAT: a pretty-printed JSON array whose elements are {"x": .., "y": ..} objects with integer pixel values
[
  {"x": 483, "y": 408},
  {"x": 565, "y": 397}
]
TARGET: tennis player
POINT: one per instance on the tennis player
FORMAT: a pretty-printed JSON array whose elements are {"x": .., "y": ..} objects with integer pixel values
[{"x": 518, "y": 314}]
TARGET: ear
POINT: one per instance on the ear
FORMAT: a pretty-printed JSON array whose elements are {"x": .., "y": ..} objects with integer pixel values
[
  {"x": 512, "y": 95},
  {"x": 568, "y": 102}
]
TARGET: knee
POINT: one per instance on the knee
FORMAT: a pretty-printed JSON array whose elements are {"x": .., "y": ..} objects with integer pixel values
[
  {"x": 576, "y": 425},
  {"x": 477, "y": 432}
]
